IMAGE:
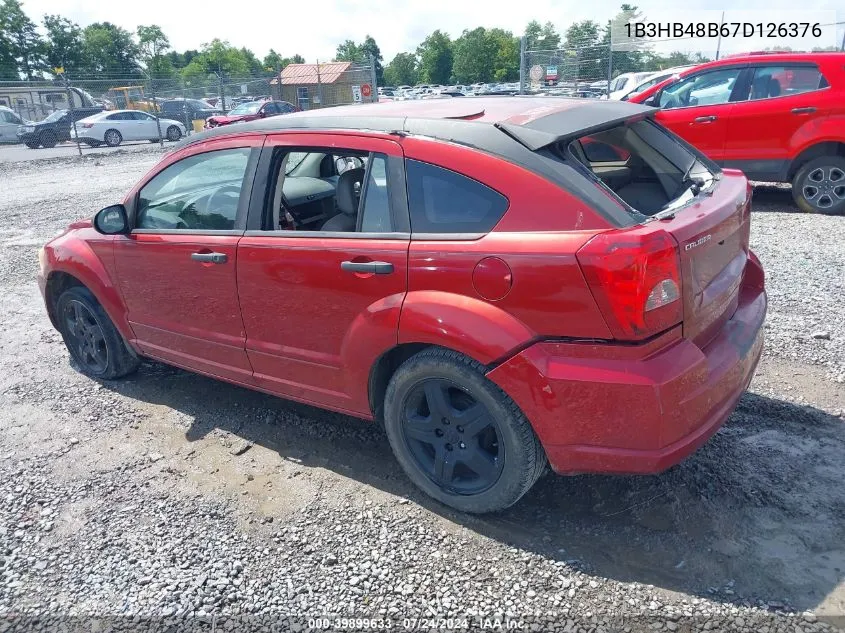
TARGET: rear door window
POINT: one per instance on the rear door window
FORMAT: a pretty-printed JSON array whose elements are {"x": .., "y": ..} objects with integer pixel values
[
  {"x": 443, "y": 201},
  {"x": 780, "y": 81}
]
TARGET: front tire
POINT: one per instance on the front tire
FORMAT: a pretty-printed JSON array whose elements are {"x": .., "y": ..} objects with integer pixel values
[
  {"x": 113, "y": 138},
  {"x": 458, "y": 436},
  {"x": 32, "y": 145},
  {"x": 48, "y": 139},
  {"x": 819, "y": 186},
  {"x": 173, "y": 133},
  {"x": 91, "y": 338}
]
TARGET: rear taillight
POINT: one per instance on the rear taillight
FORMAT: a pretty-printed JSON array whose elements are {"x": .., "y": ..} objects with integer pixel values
[
  {"x": 635, "y": 278},
  {"x": 87, "y": 125}
]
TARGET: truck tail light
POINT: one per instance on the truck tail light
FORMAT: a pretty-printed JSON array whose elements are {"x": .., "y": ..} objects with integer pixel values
[{"x": 635, "y": 278}]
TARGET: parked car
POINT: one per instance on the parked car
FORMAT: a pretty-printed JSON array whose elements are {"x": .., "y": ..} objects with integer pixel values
[
  {"x": 56, "y": 128},
  {"x": 778, "y": 117},
  {"x": 509, "y": 300},
  {"x": 112, "y": 127},
  {"x": 186, "y": 110},
  {"x": 624, "y": 83},
  {"x": 10, "y": 122},
  {"x": 251, "y": 111},
  {"x": 651, "y": 80}
]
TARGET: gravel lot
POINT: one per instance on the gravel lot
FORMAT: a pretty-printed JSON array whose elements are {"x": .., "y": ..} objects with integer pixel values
[{"x": 172, "y": 498}]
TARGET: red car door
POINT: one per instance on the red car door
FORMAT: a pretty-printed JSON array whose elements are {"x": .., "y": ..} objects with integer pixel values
[
  {"x": 176, "y": 269},
  {"x": 782, "y": 99},
  {"x": 698, "y": 107},
  {"x": 321, "y": 305}
]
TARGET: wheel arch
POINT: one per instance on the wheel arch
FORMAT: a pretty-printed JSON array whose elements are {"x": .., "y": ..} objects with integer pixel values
[
  {"x": 76, "y": 264},
  {"x": 822, "y": 148},
  {"x": 477, "y": 329}
]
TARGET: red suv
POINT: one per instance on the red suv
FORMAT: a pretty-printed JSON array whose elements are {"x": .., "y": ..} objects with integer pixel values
[
  {"x": 461, "y": 270},
  {"x": 779, "y": 118},
  {"x": 249, "y": 112}
]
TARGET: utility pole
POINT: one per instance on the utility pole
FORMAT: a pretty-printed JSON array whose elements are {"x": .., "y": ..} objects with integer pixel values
[
  {"x": 319, "y": 86},
  {"x": 610, "y": 59},
  {"x": 719, "y": 41},
  {"x": 221, "y": 89},
  {"x": 70, "y": 107},
  {"x": 155, "y": 109},
  {"x": 374, "y": 91},
  {"x": 522, "y": 65}
]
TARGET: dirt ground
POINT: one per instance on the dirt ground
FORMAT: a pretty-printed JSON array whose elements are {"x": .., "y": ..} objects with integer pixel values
[{"x": 755, "y": 519}]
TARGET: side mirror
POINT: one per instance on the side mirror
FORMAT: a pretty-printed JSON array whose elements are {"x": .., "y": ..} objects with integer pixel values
[
  {"x": 652, "y": 101},
  {"x": 112, "y": 220}
]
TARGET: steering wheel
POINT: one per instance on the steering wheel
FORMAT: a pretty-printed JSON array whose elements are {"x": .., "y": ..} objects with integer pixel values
[
  {"x": 217, "y": 197},
  {"x": 344, "y": 163}
]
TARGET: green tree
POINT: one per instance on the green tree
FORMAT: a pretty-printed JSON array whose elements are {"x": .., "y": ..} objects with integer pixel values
[
  {"x": 506, "y": 63},
  {"x": 274, "y": 61},
  {"x": 541, "y": 36},
  {"x": 369, "y": 49},
  {"x": 217, "y": 58},
  {"x": 435, "y": 58},
  {"x": 347, "y": 51},
  {"x": 402, "y": 70},
  {"x": 153, "y": 46},
  {"x": 20, "y": 44},
  {"x": 475, "y": 54},
  {"x": 628, "y": 55},
  {"x": 110, "y": 50},
  {"x": 63, "y": 46}
]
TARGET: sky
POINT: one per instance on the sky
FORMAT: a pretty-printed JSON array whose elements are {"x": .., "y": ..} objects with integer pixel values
[{"x": 397, "y": 25}]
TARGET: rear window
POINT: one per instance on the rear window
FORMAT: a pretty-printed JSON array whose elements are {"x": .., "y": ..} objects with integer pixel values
[
  {"x": 643, "y": 165},
  {"x": 443, "y": 201}
]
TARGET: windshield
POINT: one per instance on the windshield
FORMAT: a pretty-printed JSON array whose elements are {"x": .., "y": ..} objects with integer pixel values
[
  {"x": 247, "y": 108},
  {"x": 58, "y": 114}
]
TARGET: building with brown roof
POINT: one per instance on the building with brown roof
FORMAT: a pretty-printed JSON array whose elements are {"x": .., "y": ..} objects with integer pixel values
[{"x": 312, "y": 86}]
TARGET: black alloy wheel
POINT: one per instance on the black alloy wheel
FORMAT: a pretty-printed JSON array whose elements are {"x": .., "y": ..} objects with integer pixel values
[{"x": 452, "y": 437}]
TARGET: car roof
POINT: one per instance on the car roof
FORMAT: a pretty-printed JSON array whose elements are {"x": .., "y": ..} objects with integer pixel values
[
  {"x": 822, "y": 59},
  {"x": 534, "y": 122}
]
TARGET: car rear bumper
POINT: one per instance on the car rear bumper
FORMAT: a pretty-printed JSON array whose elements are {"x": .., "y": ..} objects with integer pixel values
[{"x": 636, "y": 409}]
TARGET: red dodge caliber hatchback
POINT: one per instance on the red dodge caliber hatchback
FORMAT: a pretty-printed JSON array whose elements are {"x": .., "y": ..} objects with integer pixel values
[{"x": 503, "y": 282}]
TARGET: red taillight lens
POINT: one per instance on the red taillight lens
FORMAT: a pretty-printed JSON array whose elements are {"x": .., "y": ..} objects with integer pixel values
[
  {"x": 87, "y": 125},
  {"x": 635, "y": 278}
]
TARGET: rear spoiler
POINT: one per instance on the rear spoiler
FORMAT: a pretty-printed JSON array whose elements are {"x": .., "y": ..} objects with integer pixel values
[{"x": 572, "y": 123}]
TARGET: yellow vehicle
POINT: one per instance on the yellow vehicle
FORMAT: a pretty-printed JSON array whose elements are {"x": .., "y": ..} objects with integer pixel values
[{"x": 131, "y": 98}]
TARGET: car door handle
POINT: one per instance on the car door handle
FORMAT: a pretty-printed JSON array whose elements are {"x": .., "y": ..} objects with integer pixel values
[
  {"x": 212, "y": 258},
  {"x": 377, "y": 268},
  {"x": 705, "y": 119},
  {"x": 808, "y": 110}
]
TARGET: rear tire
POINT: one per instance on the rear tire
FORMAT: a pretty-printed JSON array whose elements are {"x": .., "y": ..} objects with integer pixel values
[
  {"x": 174, "y": 133},
  {"x": 819, "y": 186},
  {"x": 472, "y": 448},
  {"x": 48, "y": 139},
  {"x": 91, "y": 338},
  {"x": 113, "y": 138},
  {"x": 32, "y": 145}
]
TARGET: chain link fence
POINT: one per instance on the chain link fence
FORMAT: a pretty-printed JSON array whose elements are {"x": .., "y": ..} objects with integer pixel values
[
  {"x": 192, "y": 99},
  {"x": 587, "y": 67}
]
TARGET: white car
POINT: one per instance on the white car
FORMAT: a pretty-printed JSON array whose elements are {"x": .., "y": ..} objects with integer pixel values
[
  {"x": 653, "y": 80},
  {"x": 625, "y": 83},
  {"x": 112, "y": 127}
]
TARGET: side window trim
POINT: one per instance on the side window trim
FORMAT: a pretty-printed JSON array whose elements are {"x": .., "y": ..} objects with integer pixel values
[
  {"x": 259, "y": 200},
  {"x": 786, "y": 65},
  {"x": 243, "y": 201},
  {"x": 743, "y": 68}
]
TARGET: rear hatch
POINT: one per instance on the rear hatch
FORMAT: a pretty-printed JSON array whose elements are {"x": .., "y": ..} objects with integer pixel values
[
  {"x": 680, "y": 248},
  {"x": 712, "y": 236}
]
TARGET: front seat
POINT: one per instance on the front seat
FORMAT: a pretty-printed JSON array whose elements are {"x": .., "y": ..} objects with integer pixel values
[{"x": 347, "y": 201}]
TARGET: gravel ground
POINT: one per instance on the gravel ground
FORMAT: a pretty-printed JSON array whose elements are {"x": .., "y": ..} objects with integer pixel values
[{"x": 172, "y": 500}]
